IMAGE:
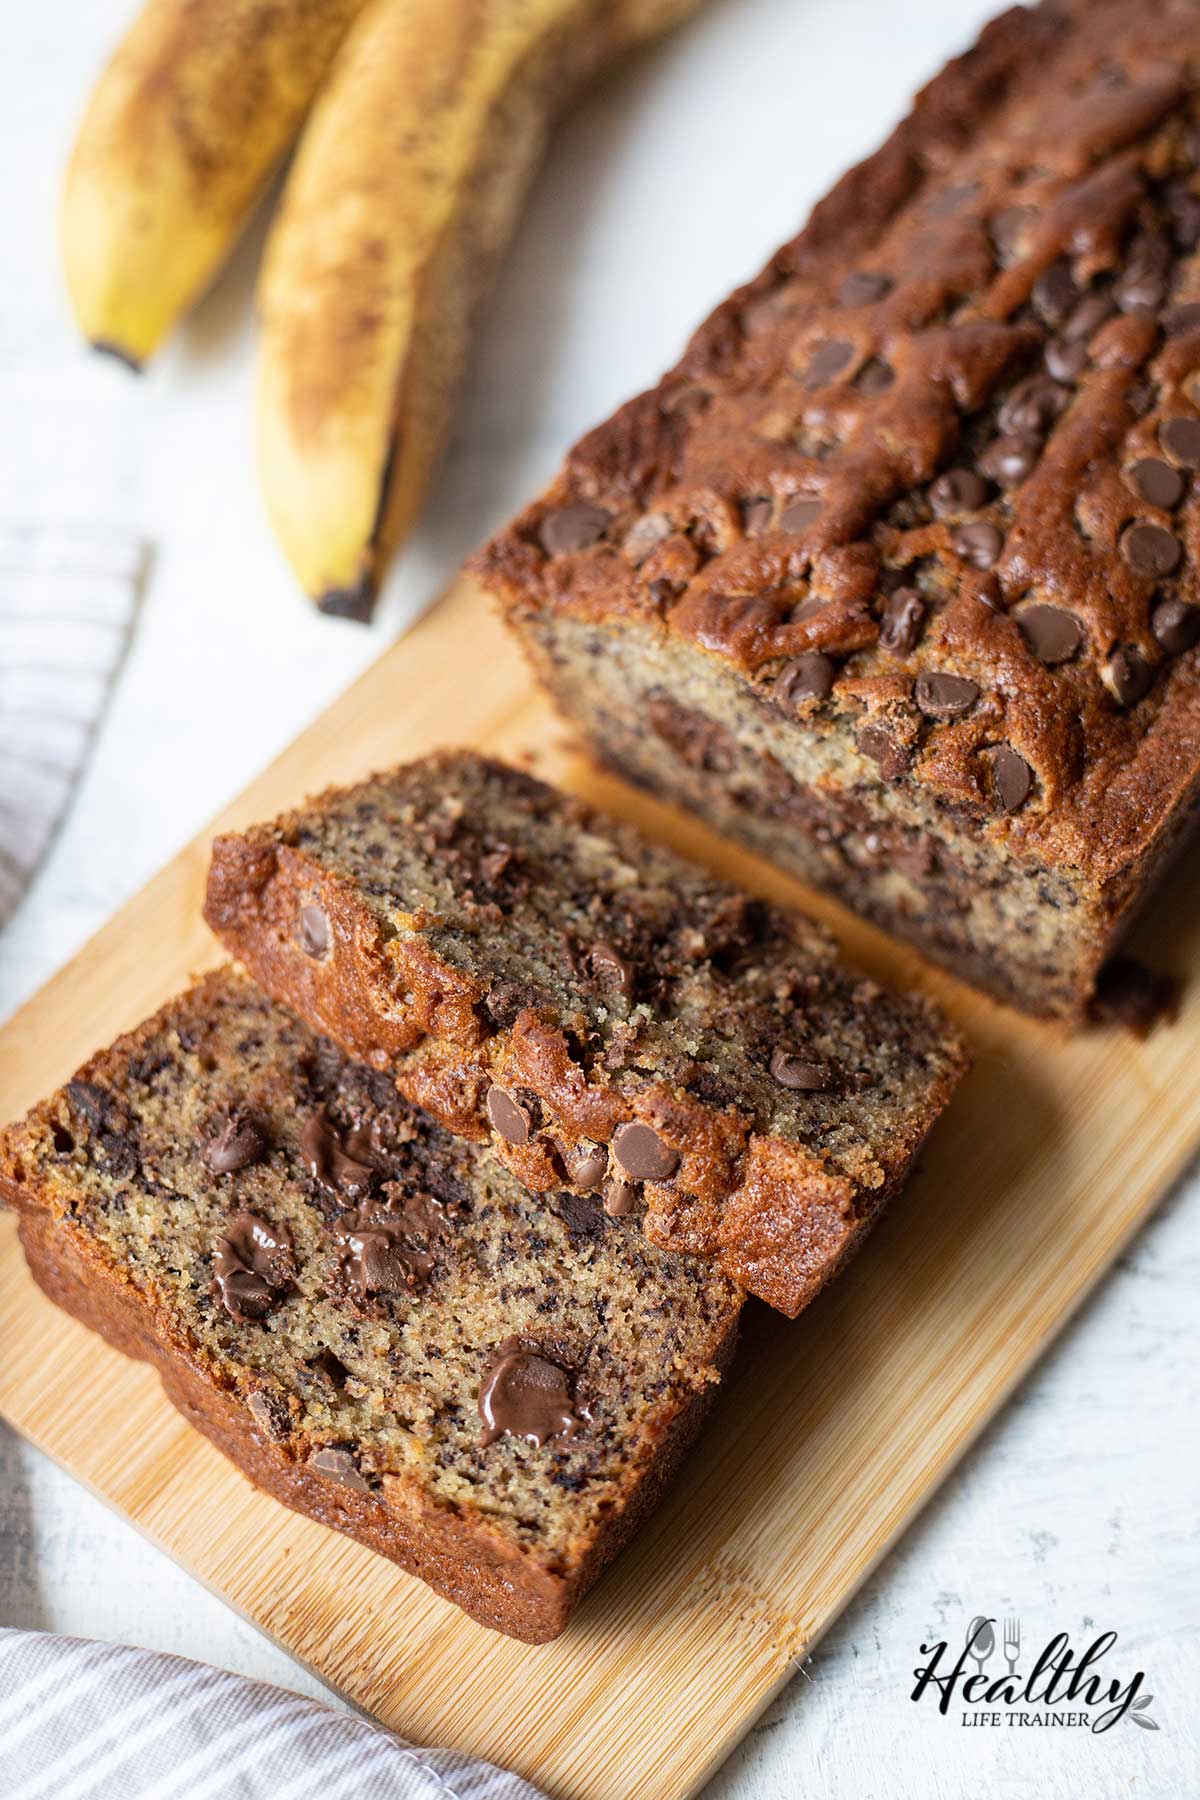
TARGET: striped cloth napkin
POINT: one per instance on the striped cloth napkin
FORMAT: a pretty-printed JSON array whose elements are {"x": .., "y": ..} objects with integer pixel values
[
  {"x": 88, "y": 1721},
  {"x": 67, "y": 601}
]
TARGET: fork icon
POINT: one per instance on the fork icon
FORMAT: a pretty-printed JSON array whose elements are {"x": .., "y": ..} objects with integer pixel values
[{"x": 1012, "y": 1643}]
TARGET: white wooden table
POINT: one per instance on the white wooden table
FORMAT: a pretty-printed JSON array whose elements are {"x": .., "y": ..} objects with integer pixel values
[{"x": 1078, "y": 1510}]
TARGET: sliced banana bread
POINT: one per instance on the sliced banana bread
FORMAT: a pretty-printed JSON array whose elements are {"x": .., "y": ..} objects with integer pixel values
[
  {"x": 613, "y": 1019},
  {"x": 371, "y": 1317}
]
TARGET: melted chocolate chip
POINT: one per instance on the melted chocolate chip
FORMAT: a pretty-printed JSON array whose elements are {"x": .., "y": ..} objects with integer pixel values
[
  {"x": 956, "y": 491},
  {"x": 1130, "y": 995},
  {"x": 512, "y": 1120},
  {"x": 1180, "y": 438},
  {"x": 901, "y": 623},
  {"x": 238, "y": 1141},
  {"x": 252, "y": 1266},
  {"x": 1065, "y": 359},
  {"x": 800, "y": 514},
  {"x": 1013, "y": 778},
  {"x": 791, "y": 1069},
  {"x": 827, "y": 361},
  {"x": 1055, "y": 292},
  {"x": 863, "y": 288},
  {"x": 339, "y": 1463},
  {"x": 642, "y": 1155},
  {"x": 526, "y": 1395},
  {"x": 807, "y": 677},
  {"x": 575, "y": 527},
  {"x": 978, "y": 543},
  {"x": 1176, "y": 626},
  {"x": 312, "y": 931},
  {"x": 620, "y": 1197},
  {"x": 875, "y": 376},
  {"x": 377, "y": 1257},
  {"x": 1128, "y": 676},
  {"x": 1010, "y": 460},
  {"x": 945, "y": 696},
  {"x": 1156, "y": 482},
  {"x": 1053, "y": 634},
  {"x": 1032, "y": 407},
  {"x": 610, "y": 968},
  {"x": 332, "y": 1164},
  {"x": 1151, "y": 550}
]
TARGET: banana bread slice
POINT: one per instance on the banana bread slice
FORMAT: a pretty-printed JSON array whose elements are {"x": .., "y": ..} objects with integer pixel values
[
  {"x": 370, "y": 1317},
  {"x": 894, "y": 576},
  {"x": 611, "y": 1018}
]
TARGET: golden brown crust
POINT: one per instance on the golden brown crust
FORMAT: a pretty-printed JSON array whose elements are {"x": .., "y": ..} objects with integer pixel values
[{"x": 1060, "y": 149}]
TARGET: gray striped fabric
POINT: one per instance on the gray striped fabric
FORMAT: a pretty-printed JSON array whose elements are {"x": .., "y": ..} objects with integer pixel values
[
  {"x": 89, "y": 1721},
  {"x": 67, "y": 600}
]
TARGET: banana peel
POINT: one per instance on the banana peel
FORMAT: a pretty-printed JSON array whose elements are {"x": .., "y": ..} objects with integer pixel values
[
  {"x": 405, "y": 189},
  {"x": 183, "y": 131}
]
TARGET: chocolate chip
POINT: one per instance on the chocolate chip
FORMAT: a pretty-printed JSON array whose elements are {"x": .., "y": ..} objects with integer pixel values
[
  {"x": 377, "y": 1257},
  {"x": 312, "y": 931},
  {"x": 585, "y": 1164},
  {"x": 1065, "y": 361},
  {"x": 1008, "y": 227},
  {"x": 1053, "y": 634},
  {"x": 827, "y": 361},
  {"x": 1177, "y": 320},
  {"x": 1180, "y": 438},
  {"x": 1010, "y": 460},
  {"x": 610, "y": 967},
  {"x": 977, "y": 543},
  {"x": 642, "y": 1155},
  {"x": 526, "y": 1395},
  {"x": 1176, "y": 626},
  {"x": 512, "y": 1120},
  {"x": 800, "y": 514},
  {"x": 1032, "y": 407},
  {"x": 1086, "y": 319},
  {"x": 645, "y": 536},
  {"x": 863, "y": 288},
  {"x": 1130, "y": 995},
  {"x": 1151, "y": 550},
  {"x": 1141, "y": 285},
  {"x": 1055, "y": 292},
  {"x": 877, "y": 742},
  {"x": 1139, "y": 398},
  {"x": 575, "y": 527},
  {"x": 620, "y": 1197},
  {"x": 1156, "y": 482},
  {"x": 807, "y": 677},
  {"x": 270, "y": 1414},
  {"x": 1128, "y": 676},
  {"x": 252, "y": 1266},
  {"x": 756, "y": 516},
  {"x": 340, "y": 1465},
  {"x": 333, "y": 1165},
  {"x": 875, "y": 376},
  {"x": 900, "y": 625},
  {"x": 956, "y": 491},
  {"x": 1013, "y": 777},
  {"x": 945, "y": 696},
  {"x": 952, "y": 198},
  {"x": 792, "y": 1070},
  {"x": 239, "y": 1141}
]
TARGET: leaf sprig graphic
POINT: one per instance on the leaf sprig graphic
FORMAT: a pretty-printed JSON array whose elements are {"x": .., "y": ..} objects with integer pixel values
[{"x": 1140, "y": 1716}]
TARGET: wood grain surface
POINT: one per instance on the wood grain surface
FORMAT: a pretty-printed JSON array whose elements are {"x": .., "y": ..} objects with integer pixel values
[{"x": 831, "y": 1431}]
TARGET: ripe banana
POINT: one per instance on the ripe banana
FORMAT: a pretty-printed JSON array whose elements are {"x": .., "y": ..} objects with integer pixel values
[
  {"x": 405, "y": 188},
  {"x": 183, "y": 131}
]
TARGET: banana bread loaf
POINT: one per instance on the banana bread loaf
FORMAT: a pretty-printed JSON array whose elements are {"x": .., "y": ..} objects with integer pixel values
[
  {"x": 372, "y": 1318},
  {"x": 894, "y": 575},
  {"x": 610, "y": 1017}
]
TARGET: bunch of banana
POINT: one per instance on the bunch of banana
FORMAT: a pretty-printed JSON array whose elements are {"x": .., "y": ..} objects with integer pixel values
[{"x": 428, "y": 125}]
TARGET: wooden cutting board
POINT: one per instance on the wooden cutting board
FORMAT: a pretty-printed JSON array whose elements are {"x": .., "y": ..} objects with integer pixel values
[{"x": 831, "y": 1432}]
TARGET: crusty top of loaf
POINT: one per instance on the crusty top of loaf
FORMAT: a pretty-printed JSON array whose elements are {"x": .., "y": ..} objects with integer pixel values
[{"x": 1015, "y": 266}]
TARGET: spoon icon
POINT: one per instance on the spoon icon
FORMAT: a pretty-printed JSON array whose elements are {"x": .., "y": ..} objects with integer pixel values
[{"x": 981, "y": 1641}]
